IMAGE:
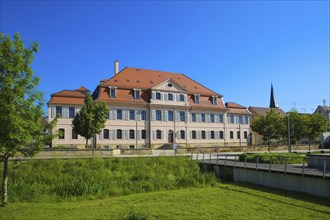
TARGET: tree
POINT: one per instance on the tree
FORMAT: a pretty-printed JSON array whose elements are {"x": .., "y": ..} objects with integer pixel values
[
  {"x": 21, "y": 111},
  {"x": 90, "y": 119},
  {"x": 314, "y": 125},
  {"x": 270, "y": 126},
  {"x": 297, "y": 125}
]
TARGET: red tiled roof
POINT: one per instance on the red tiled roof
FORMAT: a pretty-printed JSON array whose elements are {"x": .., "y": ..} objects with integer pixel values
[
  {"x": 69, "y": 97},
  {"x": 258, "y": 111},
  {"x": 234, "y": 105},
  {"x": 145, "y": 79}
]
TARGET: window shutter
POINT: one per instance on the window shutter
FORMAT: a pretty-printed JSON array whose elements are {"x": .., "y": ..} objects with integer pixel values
[
  {"x": 178, "y": 135},
  {"x": 198, "y": 117},
  {"x": 198, "y": 135},
  {"x": 207, "y": 116},
  {"x": 216, "y": 117},
  {"x": 138, "y": 133},
  {"x": 153, "y": 115},
  {"x": 166, "y": 115},
  {"x": 190, "y": 133},
  {"x": 161, "y": 96},
  {"x": 217, "y": 135},
  {"x": 165, "y": 96},
  {"x": 162, "y": 135},
  {"x": 65, "y": 112},
  {"x": 138, "y": 115},
  {"x": 126, "y": 114},
  {"x": 114, "y": 134},
  {"x": 101, "y": 135},
  {"x": 177, "y": 97},
  {"x": 187, "y": 116},
  {"x": 163, "y": 115},
  {"x": 115, "y": 114},
  {"x": 154, "y": 135},
  {"x": 185, "y": 97},
  {"x": 153, "y": 96},
  {"x": 147, "y": 134},
  {"x": 53, "y": 112},
  {"x": 177, "y": 115}
]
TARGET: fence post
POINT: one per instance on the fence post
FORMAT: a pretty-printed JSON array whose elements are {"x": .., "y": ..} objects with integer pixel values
[
  {"x": 257, "y": 163},
  {"x": 270, "y": 164},
  {"x": 197, "y": 156},
  {"x": 285, "y": 165},
  {"x": 226, "y": 160},
  {"x": 303, "y": 168},
  {"x": 234, "y": 161},
  {"x": 192, "y": 156},
  {"x": 245, "y": 162},
  {"x": 217, "y": 159},
  {"x": 203, "y": 157},
  {"x": 210, "y": 159},
  {"x": 324, "y": 167}
]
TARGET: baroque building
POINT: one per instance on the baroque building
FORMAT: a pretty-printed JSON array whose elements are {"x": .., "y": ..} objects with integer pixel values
[{"x": 150, "y": 109}]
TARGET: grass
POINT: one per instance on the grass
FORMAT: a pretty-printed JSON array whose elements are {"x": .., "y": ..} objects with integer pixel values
[{"x": 223, "y": 201}]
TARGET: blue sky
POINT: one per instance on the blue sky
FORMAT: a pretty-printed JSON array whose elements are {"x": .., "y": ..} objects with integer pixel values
[{"x": 235, "y": 48}]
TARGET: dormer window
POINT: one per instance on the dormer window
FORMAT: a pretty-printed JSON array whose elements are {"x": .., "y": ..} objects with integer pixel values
[
  {"x": 196, "y": 98},
  {"x": 214, "y": 100},
  {"x": 112, "y": 91},
  {"x": 158, "y": 95},
  {"x": 137, "y": 94},
  {"x": 181, "y": 98}
]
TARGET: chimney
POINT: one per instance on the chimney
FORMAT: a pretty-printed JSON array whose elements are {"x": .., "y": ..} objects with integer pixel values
[{"x": 116, "y": 67}]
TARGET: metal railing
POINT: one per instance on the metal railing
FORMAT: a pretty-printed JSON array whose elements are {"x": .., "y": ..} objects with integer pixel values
[{"x": 271, "y": 165}]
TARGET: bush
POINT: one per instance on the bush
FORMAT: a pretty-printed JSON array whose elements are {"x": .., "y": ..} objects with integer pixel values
[
  {"x": 57, "y": 180},
  {"x": 277, "y": 158}
]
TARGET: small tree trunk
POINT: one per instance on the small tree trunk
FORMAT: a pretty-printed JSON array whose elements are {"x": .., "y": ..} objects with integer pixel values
[
  {"x": 5, "y": 182},
  {"x": 86, "y": 146},
  {"x": 309, "y": 145}
]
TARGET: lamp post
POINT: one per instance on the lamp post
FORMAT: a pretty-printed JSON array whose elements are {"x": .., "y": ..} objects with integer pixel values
[{"x": 289, "y": 136}]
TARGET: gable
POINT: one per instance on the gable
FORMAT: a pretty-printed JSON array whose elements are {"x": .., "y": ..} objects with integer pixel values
[{"x": 169, "y": 85}]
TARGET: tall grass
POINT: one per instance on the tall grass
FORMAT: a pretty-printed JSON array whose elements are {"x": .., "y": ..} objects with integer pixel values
[
  {"x": 58, "y": 180},
  {"x": 277, "y": 158}
]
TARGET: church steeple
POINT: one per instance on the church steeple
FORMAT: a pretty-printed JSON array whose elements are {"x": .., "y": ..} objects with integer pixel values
[{"x": 273, "y": 103}]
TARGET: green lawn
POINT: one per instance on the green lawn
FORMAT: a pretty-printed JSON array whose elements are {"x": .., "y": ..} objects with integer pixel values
[{"x": 223, "y": 201}]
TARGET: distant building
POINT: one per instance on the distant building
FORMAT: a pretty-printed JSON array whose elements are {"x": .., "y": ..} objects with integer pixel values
[
  {"x": 149, "y": 108},
  {"x": 325, "y": 137}
]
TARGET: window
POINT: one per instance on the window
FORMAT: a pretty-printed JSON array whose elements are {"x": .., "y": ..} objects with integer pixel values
[
  {"x": 158, "y": 95},
  {"x": 106, "y": 134},
  {"x": 131, "y": 115},
  {"x": 119, "y": 134},
  {"x": 203, "y": 117},
  {"x": 71, "y": 112},
  {"x": 112, "y": 92},
  {"x": 221, "y": 134},
  {"x": 240, "y": 119},
  {"x": 137, "y": 94},
  {"x": 59, "y": 111},
  {"x": 212, "y": 118},
  {"x": 143, "y": 115},
  {"x": 245, "y": 134},
  {"x": 238, "y": 135},
  {"x": 182, "y": 134},
  {"x": 231, "y": 135},
  {"x": 182, "y": 116},
  {"x": 170, "y": 97},
  {"x": 144, "y": 134},
  {"x": 131, "y": 134},
  {"x": 247, "y": 120},
  {"x": 212, "y": 135},
  {"x": 181, "y": 98},
  {"x": 193, "y": 117},
  {"x": 74, "y": 135},
  {"x": 231, "y": 119},
  {"x": 119, "y": 114},
  {"x": 196, "y": 98},
  {"x": 159, "y": 134},
  {"x": 61, "y": 133},
  {"x": 214, "y": 100},
  {"x": 193, "y": 135},
  {"x": 220, "y": 118},
  {"x": 170, "y": 116},
  {"x": 203, "y": 135},
  {"x": 158, "y": 115}
]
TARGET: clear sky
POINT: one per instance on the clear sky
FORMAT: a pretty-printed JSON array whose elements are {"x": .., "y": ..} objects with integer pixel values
[{"x": 235, "y": 48}]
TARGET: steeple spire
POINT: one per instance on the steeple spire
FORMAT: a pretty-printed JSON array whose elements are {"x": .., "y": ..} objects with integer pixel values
[{"x": 273, "y": 103}]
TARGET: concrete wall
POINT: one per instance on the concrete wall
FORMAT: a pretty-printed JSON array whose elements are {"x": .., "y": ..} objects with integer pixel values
[{"x": 310, "y": 185}]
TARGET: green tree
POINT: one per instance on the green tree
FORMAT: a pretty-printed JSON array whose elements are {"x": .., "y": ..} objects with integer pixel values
[
  {"x": 297, "y": 125},
  {"x": 90, "y": 120},
  {"x": 21, "y": 111},
  {"x": 315, "y": 124},
  {"x": 270, "y": 126}
]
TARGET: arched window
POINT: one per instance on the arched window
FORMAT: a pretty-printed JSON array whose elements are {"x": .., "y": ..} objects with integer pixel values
[
  {"x": 159, "y": 134},
  {"x": 119, "y": 134},
  {"x": 221, "y": 134},
  {"x": 193, "y": 135},
  {"x": 106, "y": 134},
  {"x": 231, "y": 135},
  {"x": 182, "y": 134},
  {"x": 212, "y": 135},
  {"x": 131, "y": 134},
  {"x": 61, "y": 133},
  {"x": 203, "y": 135}
]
